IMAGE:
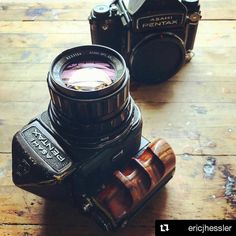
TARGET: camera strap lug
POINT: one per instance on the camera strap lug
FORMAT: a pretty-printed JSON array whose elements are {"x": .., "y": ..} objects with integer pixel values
[
  {"x": 195, "y": 17},
  {"x": 189, "y": 55}
]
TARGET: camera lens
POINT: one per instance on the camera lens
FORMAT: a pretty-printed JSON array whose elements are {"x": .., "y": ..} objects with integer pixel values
[
  {"x": 88, "y": 75},
  {"x": 90, "y": 99}
]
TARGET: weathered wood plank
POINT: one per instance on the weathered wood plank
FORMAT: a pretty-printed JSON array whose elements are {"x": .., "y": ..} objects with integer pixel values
[
  {"x": 174, "y": 91},
  {"x": 43, "y": 40},
  {"x": 44, "y": 13},
  {"x": 32, "y": 230},
  {"x": 79, "y": 10},
  {"x": 5, "y": 171},
  {"x": 203, "y": 55},
  {"x": 167, "y": 114},
  {"x": 210, "y": 58},
  {"x": 190, "y": 72},
  {"x": 194, "y": 128},
  {"x": 80, "y": 27},
  {"x": 184, "y": 140},
  {"x": 171, "y": 91},
  {"x": 210, "y": 34},
  {"x": 48, "y": 40},
  {"x": 194, "y": 112},
  {"x": 200, "y": 183},
  {"x": 221, "y": 28}
]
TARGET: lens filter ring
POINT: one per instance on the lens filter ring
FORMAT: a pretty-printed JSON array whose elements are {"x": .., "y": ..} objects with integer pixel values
[
  {"x": 93, "y": 104},
  {"x": 89, "y": 71}
]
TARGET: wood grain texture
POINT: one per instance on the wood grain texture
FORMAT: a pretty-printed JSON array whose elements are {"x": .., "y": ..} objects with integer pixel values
[
  {"x": 26, "y": 35},
  {"x": 195, "y": 128},
  {"x": 194, "y": 112},
  {"x": 79, "y": 10},
  {"x": 201, "y": 188}
]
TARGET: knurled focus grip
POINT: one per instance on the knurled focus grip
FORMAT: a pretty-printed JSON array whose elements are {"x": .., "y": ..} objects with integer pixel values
[
  {"x": 90, "y": 110},
  {"x": 93, "y": 129}
]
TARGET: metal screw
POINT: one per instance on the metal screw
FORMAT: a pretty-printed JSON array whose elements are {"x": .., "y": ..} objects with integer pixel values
[
  {"x": 105, "y": 27},
  {"x": 87, "y": 207}
]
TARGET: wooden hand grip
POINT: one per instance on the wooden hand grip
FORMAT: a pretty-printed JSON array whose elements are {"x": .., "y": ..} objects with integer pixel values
[
  {"x": 165, "y": 153},
  {"x": 132, "y": 185}
]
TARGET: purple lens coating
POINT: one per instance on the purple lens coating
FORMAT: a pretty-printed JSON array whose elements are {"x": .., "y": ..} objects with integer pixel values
[{"x": 88, "y": 76}]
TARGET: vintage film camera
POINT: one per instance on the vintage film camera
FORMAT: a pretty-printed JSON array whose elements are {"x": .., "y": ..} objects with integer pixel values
[
  {"x": 156, "y": 37},
  {"x": 87, "y": 147}
]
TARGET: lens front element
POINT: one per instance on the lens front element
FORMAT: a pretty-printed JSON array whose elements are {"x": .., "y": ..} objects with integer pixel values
[{"x": 88, "y": 75}]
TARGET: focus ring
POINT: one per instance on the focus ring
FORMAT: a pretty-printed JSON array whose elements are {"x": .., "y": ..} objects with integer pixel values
[
  {"x": 94, "y": 129},
  {"x": 89, "y": 111}
]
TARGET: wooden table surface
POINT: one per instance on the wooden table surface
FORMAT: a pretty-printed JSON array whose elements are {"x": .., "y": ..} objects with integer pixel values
[{"x": 195, "y": 111}]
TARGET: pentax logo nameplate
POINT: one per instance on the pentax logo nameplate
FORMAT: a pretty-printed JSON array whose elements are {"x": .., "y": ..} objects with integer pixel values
[
  {"x": 160, "y": 21},
  {"x": 45, "y": 149}
]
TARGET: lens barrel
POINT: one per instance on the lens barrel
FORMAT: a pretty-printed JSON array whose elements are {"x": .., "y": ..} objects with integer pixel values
[{"x": 90, "y": 114}]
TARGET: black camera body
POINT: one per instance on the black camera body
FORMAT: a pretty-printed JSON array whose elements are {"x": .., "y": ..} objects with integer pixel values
[
  {"x": 45, "y": 163},
  {"x": 87, "y": 148},
  {"x": 89, "y": 133},
  {"x": 156, "y": 37}
]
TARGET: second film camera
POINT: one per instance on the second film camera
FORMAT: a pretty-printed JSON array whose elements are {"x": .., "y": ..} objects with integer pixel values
[
  {"x": 87, "y": 147},
  {"x": 156, "y": 37}
]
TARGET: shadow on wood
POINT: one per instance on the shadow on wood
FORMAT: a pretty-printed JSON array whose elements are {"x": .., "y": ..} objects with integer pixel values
[{"x": 62, "y": 219}]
